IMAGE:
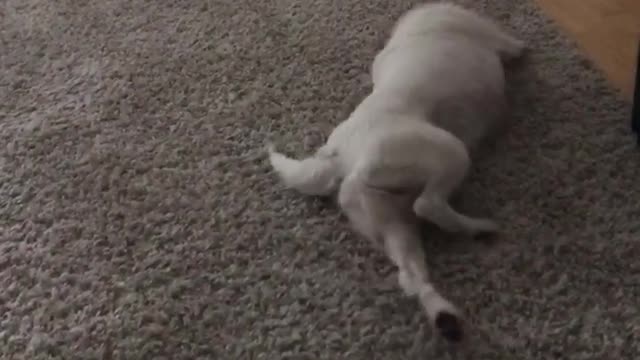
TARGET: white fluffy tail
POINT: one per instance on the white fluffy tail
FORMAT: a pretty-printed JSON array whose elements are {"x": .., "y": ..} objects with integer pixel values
[{"x": 317, "y": 175}]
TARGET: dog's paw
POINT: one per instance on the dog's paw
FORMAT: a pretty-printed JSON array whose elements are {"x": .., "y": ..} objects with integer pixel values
[
  {"x": 449, "y": 326},
  {"x": 270, "y": 148},
  {"x": 483, "y": 227},
  {"x": 515, "y": 50}
]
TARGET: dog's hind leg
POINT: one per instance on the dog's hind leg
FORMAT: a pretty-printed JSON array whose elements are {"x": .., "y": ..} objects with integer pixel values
[
  {"x": 403, "y": 246},
  {"x": 386, "y": 219},
  {"x": 433, "y": 203},
  {"x": 431, "y": 162},
  {"x": 432, "y": 206},
  {"x": 317, "y": 175}
]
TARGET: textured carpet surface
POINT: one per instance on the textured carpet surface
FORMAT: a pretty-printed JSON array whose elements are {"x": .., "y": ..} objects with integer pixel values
[{"x": 139, "y": 218}]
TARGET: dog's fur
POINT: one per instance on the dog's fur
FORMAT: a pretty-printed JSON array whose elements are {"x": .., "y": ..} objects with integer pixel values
[{"x": 438, "y": 91}]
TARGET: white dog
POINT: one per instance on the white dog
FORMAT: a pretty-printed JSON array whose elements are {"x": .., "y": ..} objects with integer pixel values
[{"x": 438, "y": 91}]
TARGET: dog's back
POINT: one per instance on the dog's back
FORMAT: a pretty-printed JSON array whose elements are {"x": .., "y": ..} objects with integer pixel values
[{"x": 447, "y": 60}]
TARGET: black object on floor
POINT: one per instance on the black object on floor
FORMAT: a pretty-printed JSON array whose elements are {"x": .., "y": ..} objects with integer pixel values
[{"x": 635, "y": 114}]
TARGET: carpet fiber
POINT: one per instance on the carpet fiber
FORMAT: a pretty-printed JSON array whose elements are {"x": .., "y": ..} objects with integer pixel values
[{"x": 139, "y": 218}]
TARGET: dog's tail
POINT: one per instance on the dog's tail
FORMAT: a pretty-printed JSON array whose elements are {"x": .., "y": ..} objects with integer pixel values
[{"x": 317, "y": 175}]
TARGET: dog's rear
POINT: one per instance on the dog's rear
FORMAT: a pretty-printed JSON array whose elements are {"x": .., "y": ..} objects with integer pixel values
[{"x": 392, "y": 164}]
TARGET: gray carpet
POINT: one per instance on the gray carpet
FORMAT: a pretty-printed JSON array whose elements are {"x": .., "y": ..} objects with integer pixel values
[{"x": 140, "y": 220}]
